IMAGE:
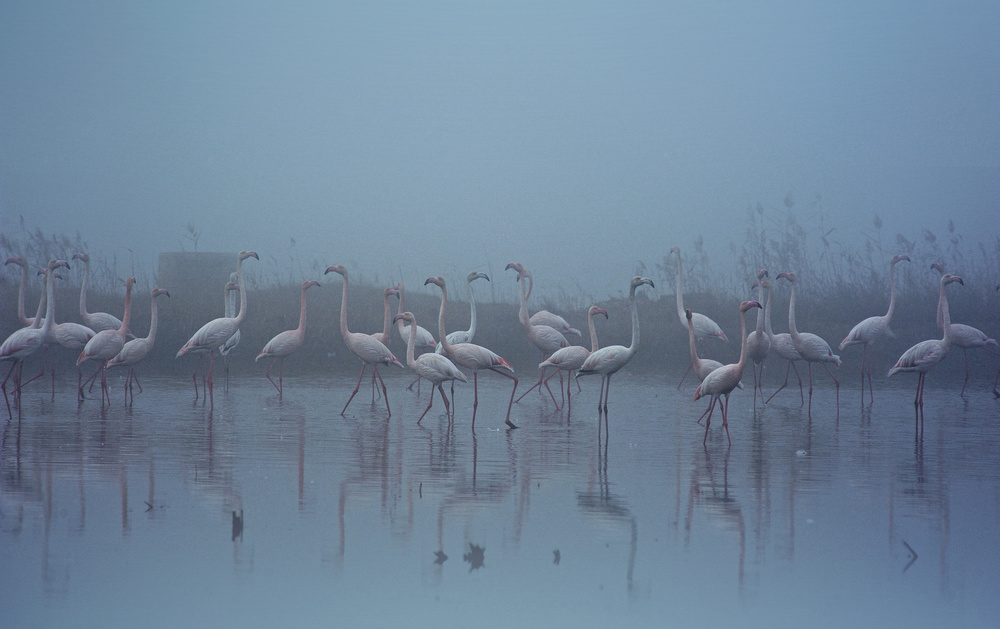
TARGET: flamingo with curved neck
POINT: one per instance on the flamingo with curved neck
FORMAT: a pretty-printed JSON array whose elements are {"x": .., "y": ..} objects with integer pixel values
[
  {"x": 286, "y": 343},
  {"x": 704, "y": 328},
  {"x": 758, "y": 342},
  {"x": 97, "y": 321},
  {"x": 547, "y": 339},
  {"x": 571, "y": 358},
  {"x": 135, "y": 350},
  {"x": 431, "y": 366},
  {"x": 107, "y": 343},
  {"x": 812, "y": 348}
]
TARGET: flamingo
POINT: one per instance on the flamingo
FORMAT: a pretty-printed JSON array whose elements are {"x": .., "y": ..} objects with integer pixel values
[
  {"x": 466, "y": 336},
  {"x": 782, "y": 345},
  {"x": 704, "y": 327},
  {"x": 21, "y": 262},
  {"x": 704, "y": 366},
  {"x": 97, "y": 321},
  {"x": 73, "y": 337},
  {"x": 216, "y": 332},
  {"x": 924, "y": 355},
  {"x": 287, "y": 342},
  {"x": 424, "y": 338},
  {"x": 571, "y": 358},
  {"x": 431, "y": 366},
  {"x": 26, "y": 341},
  {"x": 964, "y": 336},
  {"x": 544, "y": 317},
  {"x": 723, "y": 380},
  {"x": 472, "y": 356},
  {"x": 135, "y": 350},
  {"x": 873, "y": 330},
  {"x": 608, "y": 360},
  {"x": 230, "y": 311},
  {"x": 384, "y": 336},
  {"x": 368, "y": 350},
  {"x": 546, "y": 338},
  {"x": 812, "y": 348},
  {"x": 107, "y": 343},
  {"x": 758, "y": 342}
]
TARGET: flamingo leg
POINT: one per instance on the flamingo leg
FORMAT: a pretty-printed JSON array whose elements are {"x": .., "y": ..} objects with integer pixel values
[
  {"x": 607, "y": 395},
  {"x": 268, "y": 375},
  {"x": 836, "y": 384},
  {"x": 135, "y": 377},
  {"x": 996, "y": 382},
  {"x": 708, "y": 420},
  {"x": 429, "y": 404},
  {"x": 512, "y": 392},
  {"x": 788, "y": 369},
  {"x": 686, "y": 372},
  {"x": 4, "y": 387},
  {"x": 385, "y": 392},
  {"x": 447, "y": 409},
  {"x": 211, "y": 388},
  {"x": 79, "y": 384},
  {"x": 475, "y": 399},
  {"x": 725, "y": 418},
  {"x": 541, "y": 374},
  {"x": 356, "y": 387}
]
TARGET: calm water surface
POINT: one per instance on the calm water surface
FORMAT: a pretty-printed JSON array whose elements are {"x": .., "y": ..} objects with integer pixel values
[{"x": 132, "y": 517}]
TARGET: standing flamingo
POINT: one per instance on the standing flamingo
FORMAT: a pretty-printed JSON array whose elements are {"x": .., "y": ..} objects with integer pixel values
[
  {"x": 608, "y": 360},
  {"x": 571, "y": 358},
  {"x": 758, "y": 342},
  {"x": 466, "y": 336},
  {"x": 431, "y": 366},
  {"x": 472, "y": 356},
  {"x": 703, "y": 366},
  {"x": 873, "y": 330},
  {"x": 924, "y": 355},
  {"x": 97, "y": 321},
  {"x": 812, "y": 348},
  {"x": 544, "y": 317},
  {"x": 964, "y": 336},
  {"x": 384, "y": 336},
  {"x": 216, "y": 332},
  {"x": 21, "y": 262},
  {"x": 287, "y": 342},
  {"x": 424, "y": 338},
  {"x": 107, "y": 343},
  {"x": 135, "y": 350},
  {"x": 547, "y": 339},
  {"x": 704, "y": 327},
  {"x": 782, "y": 345},
  {"x": 73, "y": 337},
  {"x": 368, "y": 350},
  {"x": 723, "y": 380},
  {"x": 230, "y": 311},
  {"x": 26, "y": 341}
]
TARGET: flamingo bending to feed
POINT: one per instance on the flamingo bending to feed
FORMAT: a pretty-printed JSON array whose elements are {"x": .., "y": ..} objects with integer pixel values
[
  {"x": 704, "y": 328},
  {"x": 704, "y": 366},
  {"x": 608, "y": 360},
  {"x": 758, "y": 342},
  {"x": 547, "y": 339},
  {"x": 811, "y": 347},
  {"x": 472, "y": 356},
  {"x": 135, "y": 350},
  {"x": 107, "y": 343},
  {"x": 874, "y": 329},
  {"x": 368, "y": 350},
  {"x": 964, "y": 336},
  {"x": 723, "y": 380},
  {"x": 286, "y": 343},
  {"x": 431, "y": 366},
  {"x": 26, "y": 341},
  {"x": 571, "y": 358},
  {"x": 782, "y": 345},
  {"x": 922, "y": 357},
  {"x": 216, "y": 332},
  {"x": 96, "y": 321}
]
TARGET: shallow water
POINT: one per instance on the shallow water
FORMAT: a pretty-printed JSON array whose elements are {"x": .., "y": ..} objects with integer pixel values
[{"x": 131, "y": 517}]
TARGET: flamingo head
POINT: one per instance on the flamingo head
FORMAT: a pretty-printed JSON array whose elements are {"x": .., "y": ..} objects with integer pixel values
[
  {"x": 676, "y": 250},
  {"x": 939, "y": 267},
  {"x": 747, "y": 305},
  {"x": 392, "y": 290},
  {"x": 688, "y": 314},
  {"x": 437, "y": 281},
  {"x": 21, "y": 262},
  {"x": 336, "y": 268},
  {"x": 404, "y": 316},
  {"x": 85, "y": 257},
  {"x": 594, "y": 310},
  {"x": 761, "y": 274},
  {"x": 898, "y": 258},
  {"x": 948, "y": 278},
  {"x": 517, "y": 266},
  {"x": 766, "y": 284},
  {"x": 56, "y": 264},
  {"x": 160, "y": 291},
  {"x": 309, "y": 283},
  {"x": 248, "y": 254},
  {"x": 788, "y": 276},
  {"x": 638, "y": 281},
  {"x": 475, "y": 275},
  {"x": 129, "y": 283},
  {"x": 232, "y": 286}
]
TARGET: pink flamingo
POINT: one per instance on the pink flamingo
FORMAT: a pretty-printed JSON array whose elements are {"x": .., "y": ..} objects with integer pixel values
[
  {"x": 466, "y": 336},
  {"x": 607, "y": 361},
  {"x": 571, "y": 358},
  {"x": 26, "y": 341},
  {"x": 135, "y": 350},
  {"x": 216, "y": 332},
  {"x": 431, "y": 366},
  {"x": 97, "y": 321},
  {"x": 874, "y": 329},
  {"x": 25, "y": 320},
  {"x": 544, "y": 317},
  {"x": 812, "y": 348},
  {"x": 704, "y": 328},
  {"x": 73, "y": 337},
  {"x": 424, "y": 340},
  {"x": 924, "y": 355},
  {"x": 758, "y": 342},
  {"x": 472, "y": 356},
  {"x": 723, "y": 380},
  {"x": 782, "y": 345},
  {"x": 107, "y": 343},
  {"x": 964, "y": 336},
  {"x": 230, "y": 311},
  {"x": 384, "y": 336},
  {"x": 368, "y": 350},
  {"x": 547, "y": 339},
  {"x": 288, "y": 342},
  {"x": 704, "y": 366}
]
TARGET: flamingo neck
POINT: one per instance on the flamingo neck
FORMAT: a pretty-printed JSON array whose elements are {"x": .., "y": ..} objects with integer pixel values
[
  {"x": 635, "y": 322},
  {"x": 945, "y": 315},
  {"x": 302, "y": 314},
  {"x": 20, "y": 298},
  {"x": 942, "y": 300},
  {"x": 791, "y": 313},
  {"x": 243, "y": 293},
  {"x": 472, "y": 312},
  {"x": 445, "y": 345},
  {"x": 386, "y": 317},
  {"x": 767, "y": 315},
  {"x": 743, "y": 343},
  {"x": 153, "y": 316},
  {"x": 760, "y": 315},
  {"x": 522, "y": 313},
  {"x": 42, "y": 303},
  {"x": 344, "y": 332},
  {"x": 680, "y": 289},
  {"x": 593, "y": 334},
  {"x": 83, "y": 290},
  {"x": 128, "y": 309},
  {"x": 892, "y": 293},
  {"x": 400, "y": 324},
  {"x": 411, "y": 344},
  {"x": 230, "y": 303},
  {"x": 691, "y": 340},
  {"x": 50, "y": 306}
]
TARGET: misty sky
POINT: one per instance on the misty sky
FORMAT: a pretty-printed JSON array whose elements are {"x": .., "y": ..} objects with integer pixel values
[{"x": 439, "y": 137}]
